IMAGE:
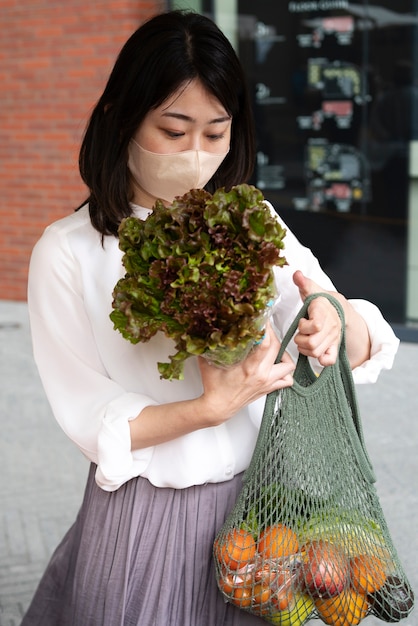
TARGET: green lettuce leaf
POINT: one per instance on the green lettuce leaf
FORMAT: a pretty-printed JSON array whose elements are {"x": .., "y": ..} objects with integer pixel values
[{"x": 200, "y": 271}]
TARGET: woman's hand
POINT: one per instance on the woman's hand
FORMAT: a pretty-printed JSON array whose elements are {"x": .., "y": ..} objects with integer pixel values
[
  {"x": 319, "y": 336},
  {"x": 225, "y": 391}
]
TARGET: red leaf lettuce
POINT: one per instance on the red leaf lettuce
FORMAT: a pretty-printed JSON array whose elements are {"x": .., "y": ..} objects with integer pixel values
[{"x": 200, "y": 271}]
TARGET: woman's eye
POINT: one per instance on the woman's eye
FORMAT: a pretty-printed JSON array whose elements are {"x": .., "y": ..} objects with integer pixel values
[
  {"x": 216, "y": 137},
  {"x": 172, "y": 133}
]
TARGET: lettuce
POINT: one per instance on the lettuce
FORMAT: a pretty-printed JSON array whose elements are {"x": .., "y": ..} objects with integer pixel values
[{"x": 200, "y": 271}]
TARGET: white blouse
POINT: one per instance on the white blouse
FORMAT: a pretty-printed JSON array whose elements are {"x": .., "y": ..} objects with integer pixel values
[{"x": 96, "y": 381}]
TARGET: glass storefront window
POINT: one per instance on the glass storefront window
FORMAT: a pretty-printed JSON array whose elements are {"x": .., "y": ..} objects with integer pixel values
[{"x": 335, "y": 96}]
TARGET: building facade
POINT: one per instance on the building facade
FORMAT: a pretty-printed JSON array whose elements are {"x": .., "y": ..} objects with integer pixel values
[
  {"x": 335, "y": 96},
  {"x": 55, "y": 59}
]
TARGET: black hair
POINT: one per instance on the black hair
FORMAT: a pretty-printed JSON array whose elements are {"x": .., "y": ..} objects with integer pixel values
[{"x": 167, "y": 51}]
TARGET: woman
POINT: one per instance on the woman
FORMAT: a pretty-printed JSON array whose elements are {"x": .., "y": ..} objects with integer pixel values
[{"x": 166, "y": 457}]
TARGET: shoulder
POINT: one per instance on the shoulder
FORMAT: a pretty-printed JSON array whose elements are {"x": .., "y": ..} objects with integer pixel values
[
  {"x": 68, "y": 234},
  {"x": 74, "y": 223},
  {"x": 69, "y": 255},
  {"x": 70, "y": 247}
]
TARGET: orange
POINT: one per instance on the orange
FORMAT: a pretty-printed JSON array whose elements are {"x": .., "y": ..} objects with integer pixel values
[
  {"x": 227, "y": 584},
  {"x": 261, "y": 594},
  {"x": 242, "y": 596},
  {"x": 367, "y": 573},
  {"x": 261, "y": 599},
  {"x": 277, "y": 541},
  {"x": 236, "y": 549},
  {"x": 346, "y": 609}
]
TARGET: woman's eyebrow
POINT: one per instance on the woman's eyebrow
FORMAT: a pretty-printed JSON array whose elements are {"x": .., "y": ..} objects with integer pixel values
[{"x": 187, "y": 118}]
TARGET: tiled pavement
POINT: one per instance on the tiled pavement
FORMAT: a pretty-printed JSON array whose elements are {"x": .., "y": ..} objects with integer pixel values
[{"x": 42, "y": 476}]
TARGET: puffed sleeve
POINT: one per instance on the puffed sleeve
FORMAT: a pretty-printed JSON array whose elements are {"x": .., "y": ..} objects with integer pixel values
[
  {"x": 384, "y": 343},
  {"x": 91, "y": 408}
]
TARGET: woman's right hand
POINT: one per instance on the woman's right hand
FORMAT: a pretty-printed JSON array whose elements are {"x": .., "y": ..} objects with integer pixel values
[{"x": 226, "y": 391}]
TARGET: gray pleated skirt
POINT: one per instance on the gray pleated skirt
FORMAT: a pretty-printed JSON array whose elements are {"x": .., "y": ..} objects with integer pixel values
[{"x": 140, "y": 556}]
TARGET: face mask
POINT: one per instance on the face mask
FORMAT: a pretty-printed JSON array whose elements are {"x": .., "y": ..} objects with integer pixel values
[{"x": 168, "y": 175}]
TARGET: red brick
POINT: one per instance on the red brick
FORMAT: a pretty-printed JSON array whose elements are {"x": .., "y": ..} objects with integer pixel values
[{"x": 54, "y": 59}]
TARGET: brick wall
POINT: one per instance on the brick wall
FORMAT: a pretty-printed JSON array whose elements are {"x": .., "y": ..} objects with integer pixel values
[{"x": 55, "y": 57}]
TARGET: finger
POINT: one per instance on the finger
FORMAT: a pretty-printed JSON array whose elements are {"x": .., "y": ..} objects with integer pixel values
[
  {"x": 283, "y": 368},
  {"x": 269, "y": 343},
  {"x": 305, "y": 285},
  {"x": 299, "y": 280},
  {"x": 282, "y": 376},
  {"x": 286, "y": 358},
  {"x": 329, "y": 357}
]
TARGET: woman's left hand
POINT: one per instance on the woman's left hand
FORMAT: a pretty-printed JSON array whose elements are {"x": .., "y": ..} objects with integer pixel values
[{"x": 319, "y": 336}]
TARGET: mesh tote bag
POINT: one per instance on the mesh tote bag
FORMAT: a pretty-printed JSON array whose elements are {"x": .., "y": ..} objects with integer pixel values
[{"x": 307, "y": 537}]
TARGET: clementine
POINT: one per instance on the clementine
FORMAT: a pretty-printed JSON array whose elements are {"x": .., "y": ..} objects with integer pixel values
[
  {"x": 367, "y": 573},
  {"x": 237, "y": 549},
  {"x": 227, "y": 584},
  {"x": 346, "y": 609},
  {"x": 261, "y": 594},
  {"x": 277, "y": 541},
  {"x": 242, "y": 597}
]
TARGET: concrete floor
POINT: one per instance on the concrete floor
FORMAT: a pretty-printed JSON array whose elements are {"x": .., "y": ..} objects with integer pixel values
[{"x": 43, "y": 475}]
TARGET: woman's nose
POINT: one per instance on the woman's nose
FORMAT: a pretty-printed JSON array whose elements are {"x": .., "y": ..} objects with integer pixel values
[{"x": 195, "y": 143}]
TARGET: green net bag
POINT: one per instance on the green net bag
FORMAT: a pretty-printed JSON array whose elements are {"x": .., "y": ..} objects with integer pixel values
[{"x": 307, "y": 537}]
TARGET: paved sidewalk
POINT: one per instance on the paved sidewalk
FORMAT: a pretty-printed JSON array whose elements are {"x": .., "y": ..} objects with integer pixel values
[{"x": 43, "y": 475}]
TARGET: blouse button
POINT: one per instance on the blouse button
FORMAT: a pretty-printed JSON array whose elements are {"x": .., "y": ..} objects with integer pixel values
[{"x": 228, "y": 470}]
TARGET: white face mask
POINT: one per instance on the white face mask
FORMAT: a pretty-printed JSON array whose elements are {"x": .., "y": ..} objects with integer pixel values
[{"x": 168, "y": 175}]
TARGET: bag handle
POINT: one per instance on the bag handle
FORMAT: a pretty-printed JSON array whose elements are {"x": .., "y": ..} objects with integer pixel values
[
  {"x": 354, "y": 426},
  {"x": 303, "y": 313}
]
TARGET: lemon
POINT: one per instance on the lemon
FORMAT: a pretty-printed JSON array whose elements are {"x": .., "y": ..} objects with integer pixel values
[{"x": 297, "y": 616}]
